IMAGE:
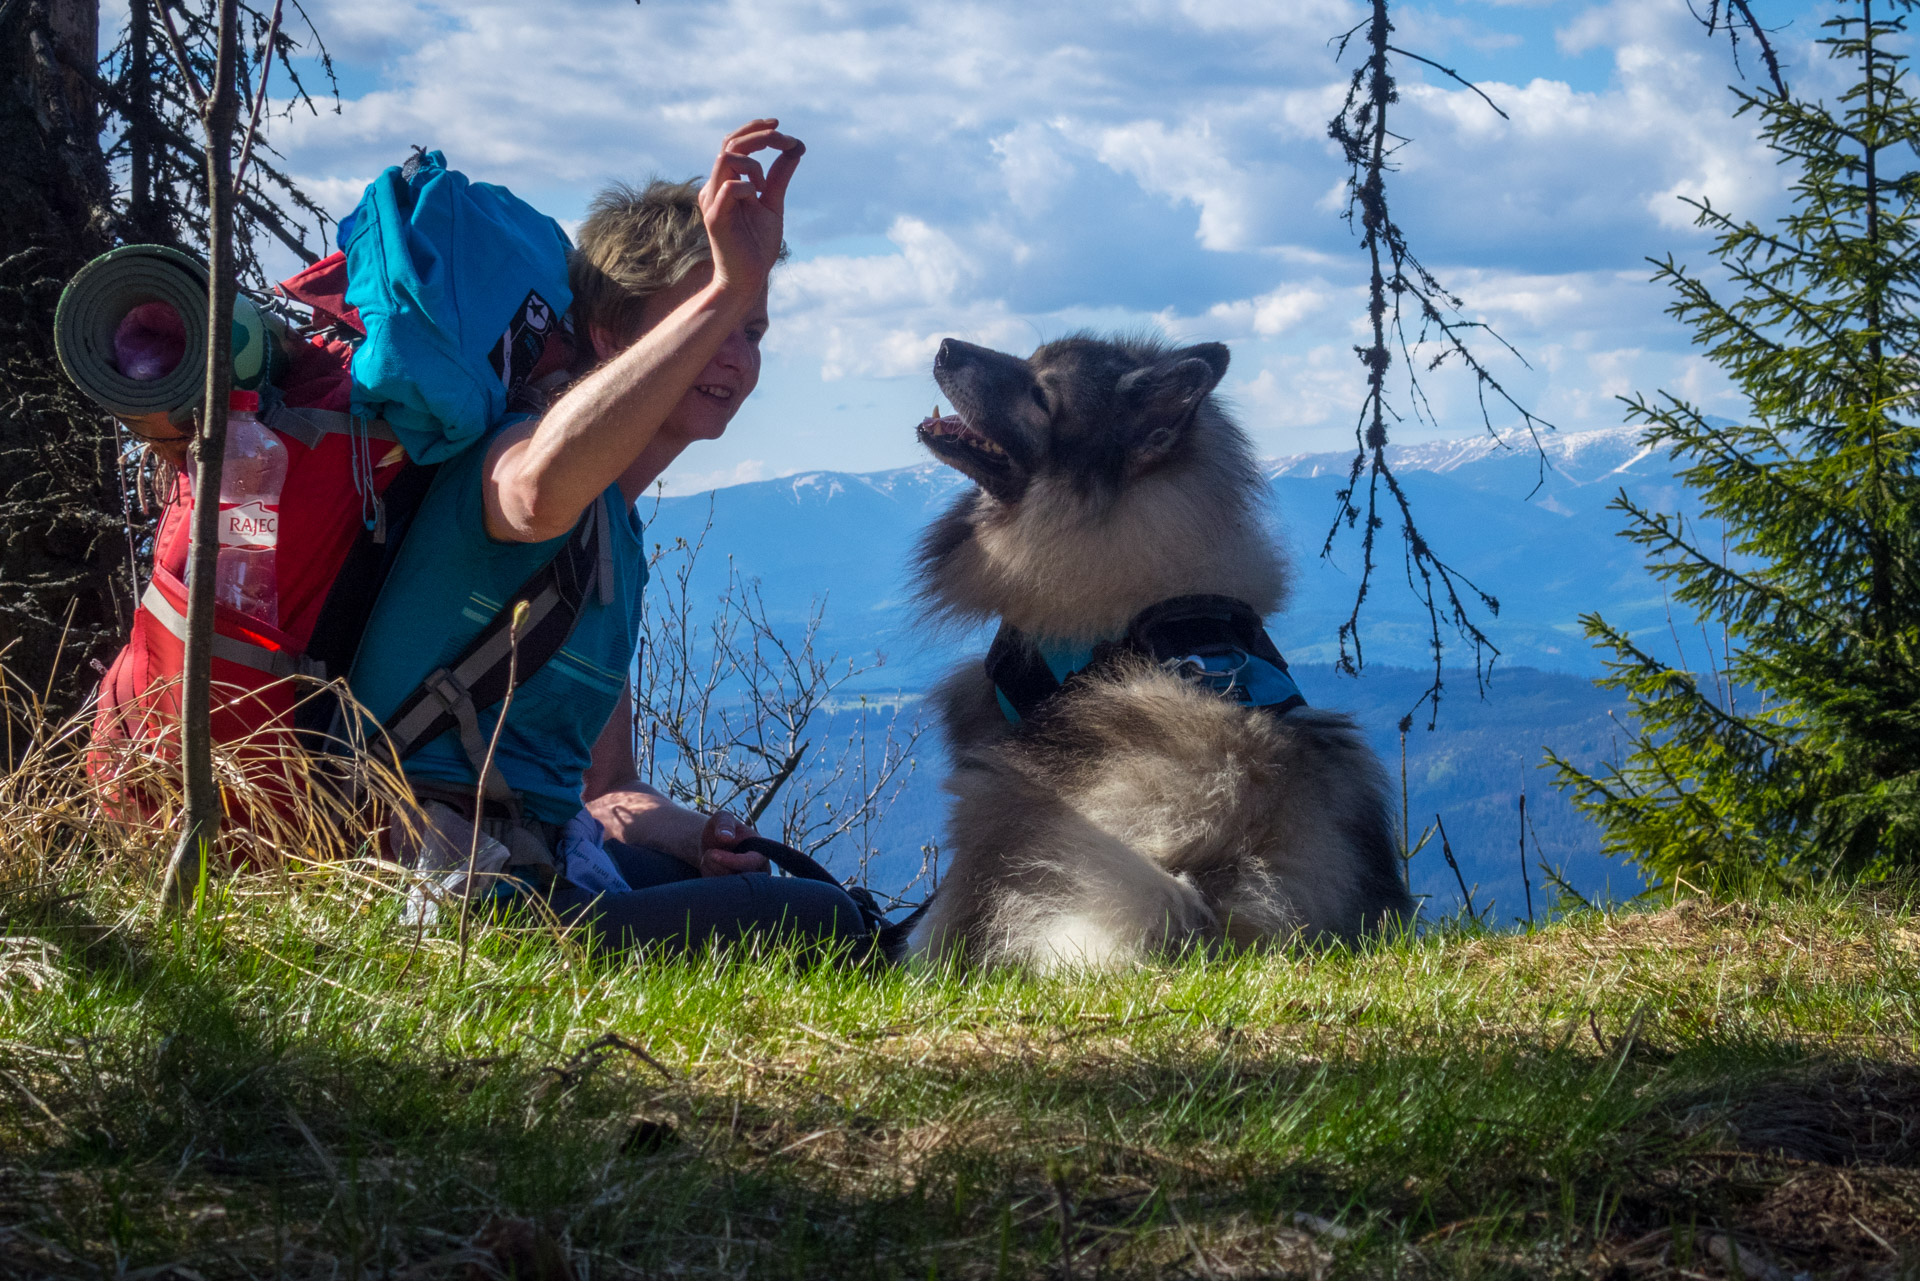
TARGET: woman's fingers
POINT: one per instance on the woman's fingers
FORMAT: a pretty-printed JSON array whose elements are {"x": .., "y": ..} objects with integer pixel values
[
  {"x": 738, "y": 179},
  {"x": 768, "y": 139},
  {"x": 745, "y": 167},
  {"x": 722, "y": 173},
  {"x": 733, "y": 193},
  {"x": 723, "y": 829},
  {"x": 723, "y": 862},
  {"x": 762, "y": 125},
  {"x": 736, "y": 160},
  {"x": 774, "y": 189},
  {"x": 717, "y": 855},
  {"x": 772, "y": 184}
]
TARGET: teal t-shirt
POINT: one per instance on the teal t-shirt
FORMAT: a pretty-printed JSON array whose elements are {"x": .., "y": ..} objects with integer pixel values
[{"x": 448, "y": 581}]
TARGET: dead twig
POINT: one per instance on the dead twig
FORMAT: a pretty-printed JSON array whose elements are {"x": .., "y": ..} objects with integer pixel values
[
  {"x": 259, "y": 97},
  {"x": 581, "y": 1062}
]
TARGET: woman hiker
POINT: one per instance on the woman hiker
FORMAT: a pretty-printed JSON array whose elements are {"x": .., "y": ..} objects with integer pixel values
[{"x": 670, "y": 299}]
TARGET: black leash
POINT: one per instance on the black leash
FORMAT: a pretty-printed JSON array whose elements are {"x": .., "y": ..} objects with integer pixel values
[{"x": 889, "y": 936}]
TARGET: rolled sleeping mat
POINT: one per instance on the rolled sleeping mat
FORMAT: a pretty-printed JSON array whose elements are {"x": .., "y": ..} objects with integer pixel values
[{"x": 131, "y": 327}]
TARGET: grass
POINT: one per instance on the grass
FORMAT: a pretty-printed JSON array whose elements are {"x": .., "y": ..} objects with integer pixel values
[{"x": 292, "y": 1082}]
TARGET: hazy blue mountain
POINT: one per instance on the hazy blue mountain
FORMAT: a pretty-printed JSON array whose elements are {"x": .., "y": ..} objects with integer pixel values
[{"x": 1533, "y": 533}]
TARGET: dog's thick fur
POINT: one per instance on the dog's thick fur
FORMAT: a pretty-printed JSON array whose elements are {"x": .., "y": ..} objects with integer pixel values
[{"x": 1135, "y": 812}]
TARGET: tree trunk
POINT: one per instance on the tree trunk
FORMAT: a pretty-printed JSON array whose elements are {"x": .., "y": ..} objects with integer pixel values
[
  {"x": 202, "y": 820},
  {"x": 63, "y": 549},
  {"x": 145, "y": 221}
]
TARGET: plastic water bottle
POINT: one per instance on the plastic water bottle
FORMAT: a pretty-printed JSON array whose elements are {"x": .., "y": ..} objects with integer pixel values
[{"x": 251, "y": 477}]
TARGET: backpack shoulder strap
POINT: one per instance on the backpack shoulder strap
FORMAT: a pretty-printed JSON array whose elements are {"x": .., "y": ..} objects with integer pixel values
[
  {"x": 450, "y": 697},
  {"x": 311, "y": 426}
]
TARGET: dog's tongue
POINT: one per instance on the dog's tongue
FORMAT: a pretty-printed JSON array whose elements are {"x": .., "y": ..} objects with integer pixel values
[{"x": 942, "y": 424}]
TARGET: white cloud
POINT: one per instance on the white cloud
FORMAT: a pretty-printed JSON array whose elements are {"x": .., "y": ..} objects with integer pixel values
[
  {"x": 1033, "y": 166},
  {"x": 1270, "y": 314},
  {"x": 881, "y": 315},
  {"x": 1002, "y": 171},
  {"x": 1191, "y": 165}
]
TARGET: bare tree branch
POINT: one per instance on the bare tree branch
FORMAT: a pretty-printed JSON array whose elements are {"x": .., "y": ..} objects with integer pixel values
[
  {"x": 1398, "y": 282},
  {"x": 179, "y": 52},
  {"x": 1738, "y": 14},
  {"x": 259, "y": 97},
  {"x": 1451, "y": 73},
  {"x": 728, "y": 713},
  {"x": 200, "y": 827}
]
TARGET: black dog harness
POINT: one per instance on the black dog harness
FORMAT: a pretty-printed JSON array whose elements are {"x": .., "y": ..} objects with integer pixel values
[{"x": 1216, "y": 642}]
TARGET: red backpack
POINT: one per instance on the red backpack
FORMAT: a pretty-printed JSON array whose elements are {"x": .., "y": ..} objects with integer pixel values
[
  {"x": 333, "y": 508},
  {"x": 348, "y": 498},
  {"x": 454, "y": 328}
]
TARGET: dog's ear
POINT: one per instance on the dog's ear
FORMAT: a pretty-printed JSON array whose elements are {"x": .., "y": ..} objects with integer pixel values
[{"x": 1159, "y": 400}]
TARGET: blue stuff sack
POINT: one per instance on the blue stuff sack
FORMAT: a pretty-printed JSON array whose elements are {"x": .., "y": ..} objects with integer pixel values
[{"x": 459, "y": 284}]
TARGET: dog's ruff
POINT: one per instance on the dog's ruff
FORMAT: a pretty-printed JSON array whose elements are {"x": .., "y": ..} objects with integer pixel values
[{"x": 1135, "y": 813}]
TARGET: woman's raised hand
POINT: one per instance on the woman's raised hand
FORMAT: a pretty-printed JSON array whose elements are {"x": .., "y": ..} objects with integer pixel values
[{"x": 744, "y": 206}]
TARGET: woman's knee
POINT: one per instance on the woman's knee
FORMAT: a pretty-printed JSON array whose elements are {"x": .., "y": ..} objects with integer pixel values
[{"x": 811, "y": 909}]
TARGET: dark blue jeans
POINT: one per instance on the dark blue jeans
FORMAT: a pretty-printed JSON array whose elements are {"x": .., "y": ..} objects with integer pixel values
[{"x": 673, "y": 907}]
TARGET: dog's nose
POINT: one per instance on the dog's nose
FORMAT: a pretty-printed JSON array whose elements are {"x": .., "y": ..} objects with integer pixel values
[{"x": 944, "y": 358}]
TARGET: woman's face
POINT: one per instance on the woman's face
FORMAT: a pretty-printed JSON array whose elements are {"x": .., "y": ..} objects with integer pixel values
[{"x": 729, "y": 378}]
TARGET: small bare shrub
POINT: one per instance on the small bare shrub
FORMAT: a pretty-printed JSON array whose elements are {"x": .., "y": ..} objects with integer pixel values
[{"x": 732, "y": 713}]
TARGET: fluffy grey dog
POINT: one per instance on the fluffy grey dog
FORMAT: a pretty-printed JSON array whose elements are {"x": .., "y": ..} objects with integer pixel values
[{"x": 1114, "y": 794}]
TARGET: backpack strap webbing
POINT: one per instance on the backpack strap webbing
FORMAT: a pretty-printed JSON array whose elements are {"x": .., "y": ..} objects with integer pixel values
[
  {"x": 363, "y": 572},
  {"x": 232, "y": 649},
  {"x": 450, "y": 698},
  {"x": 311, "y": 426}
]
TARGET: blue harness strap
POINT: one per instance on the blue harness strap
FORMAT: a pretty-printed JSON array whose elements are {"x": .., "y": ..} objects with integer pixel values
[{"x": 1214, "y": 641}]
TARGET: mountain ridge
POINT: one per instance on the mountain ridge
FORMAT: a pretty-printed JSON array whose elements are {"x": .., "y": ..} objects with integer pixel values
[
  {"x": 1562, "y": 450},
  {"x": 1536, "y": 536}
]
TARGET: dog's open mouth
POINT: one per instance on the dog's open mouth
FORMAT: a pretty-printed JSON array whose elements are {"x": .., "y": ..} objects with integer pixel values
[{"x": 949, "y": 434}]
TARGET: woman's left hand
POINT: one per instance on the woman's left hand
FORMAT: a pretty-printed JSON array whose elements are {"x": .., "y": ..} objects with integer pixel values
[{"x": 718, "y": 857}]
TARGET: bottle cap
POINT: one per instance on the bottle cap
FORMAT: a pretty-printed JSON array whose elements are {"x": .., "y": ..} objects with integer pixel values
[{"x": 247, "y": 402}]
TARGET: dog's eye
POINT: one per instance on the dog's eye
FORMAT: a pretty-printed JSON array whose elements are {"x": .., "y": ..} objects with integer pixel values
[{"x": 1040, "y": 399}]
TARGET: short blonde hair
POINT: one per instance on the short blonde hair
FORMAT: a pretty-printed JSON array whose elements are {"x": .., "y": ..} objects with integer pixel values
[{"x": 635, "y": 243}]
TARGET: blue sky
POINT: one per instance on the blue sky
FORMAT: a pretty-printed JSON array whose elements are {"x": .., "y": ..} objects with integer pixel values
[{"x": 1007, "y": 171}]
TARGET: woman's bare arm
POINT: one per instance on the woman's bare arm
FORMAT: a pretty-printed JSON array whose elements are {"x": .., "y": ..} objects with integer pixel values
[
  {"x": 637, "y": 814},
  {"x": 541, "y": 476}
]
